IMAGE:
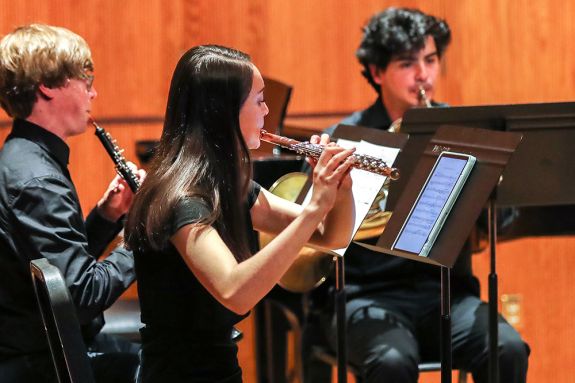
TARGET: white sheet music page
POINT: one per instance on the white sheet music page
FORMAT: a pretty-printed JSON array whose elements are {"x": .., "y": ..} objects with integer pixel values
[{"x": 366, "y": 185}]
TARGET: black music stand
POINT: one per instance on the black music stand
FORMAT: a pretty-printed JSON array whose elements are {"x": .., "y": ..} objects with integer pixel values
[
  {"x": 492, "y": 151},
  {"x": 540, "y": 173},
  {"x": 378, "y": 137}
]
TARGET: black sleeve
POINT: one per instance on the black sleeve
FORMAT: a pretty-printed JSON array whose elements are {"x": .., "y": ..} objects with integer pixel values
[
  {"x": 253, "y": 193},
  {"x": 193, "y": 210},
  {"x": 100, "y": 232},
  {"x": 187, "y": 211},
  {"x": 48, "y": 214}
]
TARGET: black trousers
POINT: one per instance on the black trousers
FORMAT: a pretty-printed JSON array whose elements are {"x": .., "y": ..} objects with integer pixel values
[
  {"x": 389, "y": 333},
  {"x": 113, "y": 359},
  {"x": 28, "y": 369},
  {"x": 179, "y": 357}
]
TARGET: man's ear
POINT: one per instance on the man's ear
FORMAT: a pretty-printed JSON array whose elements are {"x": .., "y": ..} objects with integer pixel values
[
  {"x": 376, "y": 73},
  {"x": 45, "y": 92}
]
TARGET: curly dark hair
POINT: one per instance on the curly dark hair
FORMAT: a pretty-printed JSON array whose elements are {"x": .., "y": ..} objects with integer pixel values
[{"x": 396, "y": 31}]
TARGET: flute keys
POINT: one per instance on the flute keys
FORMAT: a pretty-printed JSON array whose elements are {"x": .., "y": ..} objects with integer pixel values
[{"x": 364, "y": 162}]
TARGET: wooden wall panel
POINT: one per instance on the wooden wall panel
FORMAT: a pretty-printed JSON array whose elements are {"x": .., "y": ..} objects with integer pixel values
[
  {"x": 502, "y": 52},
  {"x": 510, "y": 52},
  {"x": 540, "y": 271},
  {"x": 321, "y": 63}
]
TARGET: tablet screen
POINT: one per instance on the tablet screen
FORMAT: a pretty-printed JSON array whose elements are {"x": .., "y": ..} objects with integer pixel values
[{"x": 432, "y": 200}]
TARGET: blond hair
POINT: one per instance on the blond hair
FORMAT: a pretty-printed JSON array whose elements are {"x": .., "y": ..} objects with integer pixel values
[{"x": 38, "y": 54}]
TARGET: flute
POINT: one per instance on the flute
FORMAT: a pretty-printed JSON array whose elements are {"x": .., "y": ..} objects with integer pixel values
[{"x": 360, "y": 161}]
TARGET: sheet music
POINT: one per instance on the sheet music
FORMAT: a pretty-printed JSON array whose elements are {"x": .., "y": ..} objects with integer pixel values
[{"x": 366, "y": 185}]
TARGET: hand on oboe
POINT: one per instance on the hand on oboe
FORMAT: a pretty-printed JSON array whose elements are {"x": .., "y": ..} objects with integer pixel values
[{"x": 117, "y": 198}]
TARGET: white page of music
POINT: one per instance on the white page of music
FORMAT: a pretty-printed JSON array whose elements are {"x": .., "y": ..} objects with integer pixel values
[{"x": 366, "y": 185}]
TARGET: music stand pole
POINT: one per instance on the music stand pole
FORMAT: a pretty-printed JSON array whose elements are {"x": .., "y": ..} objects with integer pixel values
[
  {"x": 493, "y": 330},
  {"x": 493, "y": 149},
  {"x": 378, "y": 137},
  {"x": 446, "y": 361},
  {"x": 340, "y": 320}
]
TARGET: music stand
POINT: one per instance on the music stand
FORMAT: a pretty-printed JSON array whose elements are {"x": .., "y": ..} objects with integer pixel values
[
  {"x": 538, "y": 174},
  {"x": 544, "y": 155},
  {"x": 492, "y": 151},
  {"x": 378, "y": 137}
]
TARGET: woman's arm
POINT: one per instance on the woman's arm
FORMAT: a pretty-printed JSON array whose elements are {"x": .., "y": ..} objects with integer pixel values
[
  {"x": 239, "y": 286},
  {"x": 272, "y": 214}
]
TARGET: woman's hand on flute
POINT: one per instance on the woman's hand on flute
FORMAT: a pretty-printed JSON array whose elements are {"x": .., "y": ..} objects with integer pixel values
[{"x": 331, "y": 171}]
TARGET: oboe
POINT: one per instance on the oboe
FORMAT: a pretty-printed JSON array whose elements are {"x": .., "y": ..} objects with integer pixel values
[
  {"x": 116, "y": 155},
  {"x": 361, "y": 161}
]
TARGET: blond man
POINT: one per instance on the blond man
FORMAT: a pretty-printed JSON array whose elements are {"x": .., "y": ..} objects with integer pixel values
[{"x": 46, "y": 86}]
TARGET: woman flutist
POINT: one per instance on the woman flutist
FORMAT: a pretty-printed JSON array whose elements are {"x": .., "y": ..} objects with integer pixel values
[{"x": 191, "y": 222}]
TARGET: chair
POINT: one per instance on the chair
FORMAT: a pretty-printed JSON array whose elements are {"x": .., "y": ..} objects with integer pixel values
[
  {"x": 281, "y": 307},
  {"x": 123, "y": 319},
  {"x": 61, "y": 324},
  {"x": 268, "y": 167},
  {"x": 319, "y": 353},
  {"x": 322, "y": 354},
  {"x": 277, "y": 95}
]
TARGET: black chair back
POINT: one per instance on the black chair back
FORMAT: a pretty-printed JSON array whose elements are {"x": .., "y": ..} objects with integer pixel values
[
  {"x": 277, "y": 95},
  {"x": 61, "y": 324},
  {"x": 277, "y": 98}
]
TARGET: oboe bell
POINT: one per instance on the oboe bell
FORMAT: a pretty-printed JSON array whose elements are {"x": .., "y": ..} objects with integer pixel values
[
  {"x": 423, "y": 99},
  {"x": 361, "y": 161}
]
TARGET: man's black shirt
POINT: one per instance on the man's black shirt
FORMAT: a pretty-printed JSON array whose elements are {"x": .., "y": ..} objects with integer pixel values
[
  {"x": 40, "y": 216},
  {"x": 375, "y": 117},
  {"x": 368, "y": 272}
]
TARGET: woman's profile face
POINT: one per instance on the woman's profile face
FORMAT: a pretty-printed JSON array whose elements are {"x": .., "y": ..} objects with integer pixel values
[{"x": 253, "y": 111}]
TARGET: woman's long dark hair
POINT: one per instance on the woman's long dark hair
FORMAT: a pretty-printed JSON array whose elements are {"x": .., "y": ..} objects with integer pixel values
[{"x": 201, "y": 154}]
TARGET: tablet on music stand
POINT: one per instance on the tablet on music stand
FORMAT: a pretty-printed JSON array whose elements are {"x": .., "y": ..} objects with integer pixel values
[{"x": 434, "y": 202}]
